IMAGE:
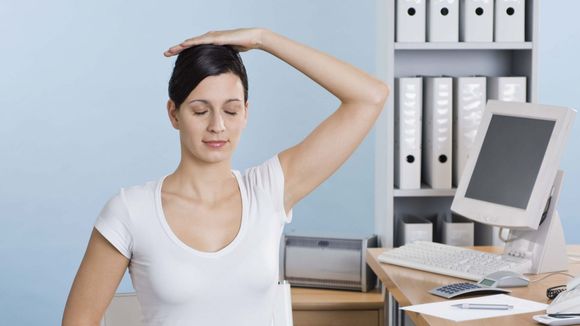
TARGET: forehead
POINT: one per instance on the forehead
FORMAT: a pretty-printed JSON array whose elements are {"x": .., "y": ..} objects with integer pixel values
[{"x": 216, "y": 88}]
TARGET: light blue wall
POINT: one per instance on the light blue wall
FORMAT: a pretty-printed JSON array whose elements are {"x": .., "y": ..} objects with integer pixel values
[
  {"x": 559, "y": 82},
  {"x": 82, "y": 113}
]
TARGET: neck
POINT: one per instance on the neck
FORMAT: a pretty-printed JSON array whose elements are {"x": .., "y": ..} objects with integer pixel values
[{"x": 203, "y": 182}]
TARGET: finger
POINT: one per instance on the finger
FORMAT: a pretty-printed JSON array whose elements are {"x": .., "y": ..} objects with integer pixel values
[
  {"x": 176, "y": 49},
  {"x": 207, "y": 38},
  {"x": 173, "y": 51},
  {"x": 195, "y": 41},
  {"x": 211, "y": 37}
]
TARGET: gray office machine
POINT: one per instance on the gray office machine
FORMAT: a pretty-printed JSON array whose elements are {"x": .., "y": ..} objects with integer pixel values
[{"x": 331, "y": 262}]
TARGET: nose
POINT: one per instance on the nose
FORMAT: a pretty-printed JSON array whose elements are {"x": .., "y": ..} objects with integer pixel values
[{"x": 216, "y": 124}]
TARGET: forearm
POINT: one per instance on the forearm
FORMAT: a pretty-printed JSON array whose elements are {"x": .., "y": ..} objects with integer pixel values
[
  {"x": 78, "y": 321},
  {"x": 347, "y": 83}
]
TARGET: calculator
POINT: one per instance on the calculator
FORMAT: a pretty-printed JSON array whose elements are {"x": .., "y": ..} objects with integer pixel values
[{"x": 456, "y": 289}]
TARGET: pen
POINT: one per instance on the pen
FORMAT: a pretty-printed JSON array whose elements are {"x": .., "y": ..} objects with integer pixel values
[
  {"x": 563, "y": 315},
  {"x": 483, "y": 306}
]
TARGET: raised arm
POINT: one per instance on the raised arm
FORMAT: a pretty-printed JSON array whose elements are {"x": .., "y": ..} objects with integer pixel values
[{"x": 307, "y": 164}]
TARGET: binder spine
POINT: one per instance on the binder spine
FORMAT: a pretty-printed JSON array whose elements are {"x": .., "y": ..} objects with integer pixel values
[
  {"x": 508, "y": 89},
  {"x": 443, "y": 20},
  {"x": 510, "y": 20},
  {"x": 469, "y": 104},
  {"x": 408, "y": 124},
  {"x": 410, "y": 20},
  {"x": 476, "y": 21},
  {"x": 437, "y": 140}
]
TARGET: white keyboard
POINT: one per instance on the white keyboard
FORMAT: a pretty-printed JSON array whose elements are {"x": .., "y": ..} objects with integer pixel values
[{"x": 452, "y": 261}]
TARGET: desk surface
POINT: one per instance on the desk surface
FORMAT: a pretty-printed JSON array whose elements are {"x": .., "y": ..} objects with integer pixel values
[{"x": 409, "y": 287}]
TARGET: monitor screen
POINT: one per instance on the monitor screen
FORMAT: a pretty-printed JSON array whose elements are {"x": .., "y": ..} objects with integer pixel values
[{"x": 509, "y": 160}]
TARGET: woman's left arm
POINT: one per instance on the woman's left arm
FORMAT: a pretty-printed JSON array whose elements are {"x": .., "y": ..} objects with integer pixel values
[{"x": 307, "y": 164}]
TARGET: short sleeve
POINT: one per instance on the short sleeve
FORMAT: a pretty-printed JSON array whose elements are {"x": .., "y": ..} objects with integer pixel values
[
  {"x": 114, "y": 224},
  {"x": 269, "y": 176}
]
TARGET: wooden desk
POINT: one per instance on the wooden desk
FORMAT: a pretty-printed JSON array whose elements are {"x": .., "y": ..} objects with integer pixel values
[
  {"x": 318, "y": 307},
  {"x": 409, "y": 287}
]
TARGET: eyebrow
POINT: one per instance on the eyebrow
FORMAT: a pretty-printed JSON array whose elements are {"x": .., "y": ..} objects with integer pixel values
[{"x": 206, "y": 102}]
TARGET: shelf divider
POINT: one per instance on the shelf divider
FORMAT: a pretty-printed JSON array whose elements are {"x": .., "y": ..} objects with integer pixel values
[
  {"x": 464, "y": 46},
  {"x": 425, "y": 191}
]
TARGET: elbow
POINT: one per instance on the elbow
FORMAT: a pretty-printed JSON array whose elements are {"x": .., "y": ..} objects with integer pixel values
[
  {"x": 372, "y": 96},
  {"x": 380, "y": 94}
]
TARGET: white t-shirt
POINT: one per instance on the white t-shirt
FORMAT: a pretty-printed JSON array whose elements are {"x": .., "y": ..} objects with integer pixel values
[{"x": 178, "y": 285}]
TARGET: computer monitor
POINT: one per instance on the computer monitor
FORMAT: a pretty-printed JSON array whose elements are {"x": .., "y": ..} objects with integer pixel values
[{"x": 509, "y": 177}]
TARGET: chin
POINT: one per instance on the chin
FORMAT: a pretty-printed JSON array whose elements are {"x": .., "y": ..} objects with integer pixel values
[
  {"x": 211, "y": 156},
  {"x": 215, "y": 157}
]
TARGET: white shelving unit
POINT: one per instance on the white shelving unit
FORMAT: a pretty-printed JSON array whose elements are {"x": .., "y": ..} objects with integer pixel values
[{"x": 452, "y": 59}]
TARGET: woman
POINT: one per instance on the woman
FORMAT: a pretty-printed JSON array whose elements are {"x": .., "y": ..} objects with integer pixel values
[{"x": 201, "y": 243}]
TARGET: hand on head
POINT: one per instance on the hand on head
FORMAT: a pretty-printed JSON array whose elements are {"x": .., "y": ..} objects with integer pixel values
[{"x": 242, "y": 39}]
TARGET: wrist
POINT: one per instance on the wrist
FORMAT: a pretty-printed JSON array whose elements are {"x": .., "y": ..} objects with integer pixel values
[{"x": 263, "y": 39}]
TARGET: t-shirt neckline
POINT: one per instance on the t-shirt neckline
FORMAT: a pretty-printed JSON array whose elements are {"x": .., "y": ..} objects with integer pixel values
[{"x": 173, "y": 237}]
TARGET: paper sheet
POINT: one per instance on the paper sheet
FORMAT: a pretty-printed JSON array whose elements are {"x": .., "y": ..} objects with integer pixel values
[{"x": 444, "y": 309}]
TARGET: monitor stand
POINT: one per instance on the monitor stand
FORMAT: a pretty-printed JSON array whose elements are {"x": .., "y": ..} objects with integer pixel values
[{"x": 545, "y": 247}]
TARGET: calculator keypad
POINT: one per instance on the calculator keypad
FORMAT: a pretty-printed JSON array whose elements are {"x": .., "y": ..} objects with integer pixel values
[{"x": 455, "y": 289}]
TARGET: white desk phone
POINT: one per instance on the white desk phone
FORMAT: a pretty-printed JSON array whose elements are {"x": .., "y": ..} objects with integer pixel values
[{"x": 565, "y": 309}]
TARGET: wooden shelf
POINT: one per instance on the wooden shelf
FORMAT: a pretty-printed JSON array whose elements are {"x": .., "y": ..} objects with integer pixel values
[{"x": 464, "y": 46}]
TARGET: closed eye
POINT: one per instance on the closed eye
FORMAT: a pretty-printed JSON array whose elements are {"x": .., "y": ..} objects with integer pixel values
[
  {"x": 200, "y": 113},
  {"x": 231, "y": 113}
]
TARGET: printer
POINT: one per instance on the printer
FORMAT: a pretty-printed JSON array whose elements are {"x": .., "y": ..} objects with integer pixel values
[{"x": 333, "y": 262}]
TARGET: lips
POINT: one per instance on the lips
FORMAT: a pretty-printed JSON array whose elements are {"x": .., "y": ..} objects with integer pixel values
[{"x": 215, "y": 143}]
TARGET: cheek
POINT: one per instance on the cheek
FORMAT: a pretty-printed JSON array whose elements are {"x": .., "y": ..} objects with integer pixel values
[
  {"x": 193, "y": 130},
  {"x": 236, "y": 127}
]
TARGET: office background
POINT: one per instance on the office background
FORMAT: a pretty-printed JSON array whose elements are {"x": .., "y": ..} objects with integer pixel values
[{"x": 82, "y": 113}]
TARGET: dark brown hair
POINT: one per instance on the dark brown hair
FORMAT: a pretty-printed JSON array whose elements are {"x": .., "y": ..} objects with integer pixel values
[{"x": 198, "y": 62}]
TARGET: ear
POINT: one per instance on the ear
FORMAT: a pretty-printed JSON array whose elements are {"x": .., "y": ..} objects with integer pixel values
[{"x": 173, "y": 113}]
